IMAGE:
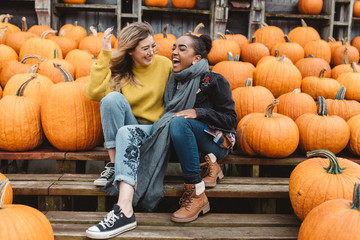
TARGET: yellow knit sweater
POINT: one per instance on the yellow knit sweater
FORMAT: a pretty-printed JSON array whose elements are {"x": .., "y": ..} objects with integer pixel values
[{"x": 146, "y": 101}]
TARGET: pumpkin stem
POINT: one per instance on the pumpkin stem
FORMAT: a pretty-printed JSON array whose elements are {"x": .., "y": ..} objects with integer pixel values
[
  {"x": 230, "y": 56},
  {"x": 227, "y": 31},
  {"x": 20, "y": 91},
  {"x": 264, "y": 24},
  {"x": 311, "y": 56},
  {"x": 164, "y": 30},
  {"x": 322, "y": 111},
  {"x": 322, "y": 73},
  {"x": 356, "y": 197},
  {"x": 343, "y": 41},
  {"x": 303, "y": 23},
  {"x": 34, "y": 68},
  {"x": 270, "y": 108},
  {"x": 24, "y": 26},
  {"x": 56, "y": 53},
  {"x": 100, "y": 28},
  {"x": 248, "y": 82},
  {"x": 3, "y": 186},
  {"x": 253, "y": 39},
  {"x": 3, "y": 32},
  {"x": 354, "y": 67},
  {"x": 75, "y": 23},
  {"x": 7, "y": 18},
  {"x": 346, "y": 57},
  {"x": 340, "y": 95},
  {"x": 2, "y": 17},
  {"x": 198, "y": 27},
  {"x": 236, "y": 58},
  {"x": 66, "y": 74},
  {"x": 277, "y": 53},
  {"x": 93, "y": 30},
  {"x": 331, "y": 39},
  {"x": 45, "y": 33},
  {"x": 282, "y": 58},
  {"x": 287, "y": 39},
  {"x": 221, "y": 35},
  {"x": 62, "y": 33},
  {"x": 25, "y": 58},
  {"x": 334, "y": 167},
  {"x": 297, "y": 90}
]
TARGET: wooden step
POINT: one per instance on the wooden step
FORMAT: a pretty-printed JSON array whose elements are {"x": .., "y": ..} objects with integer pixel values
[{"x": 72, "y": 225}]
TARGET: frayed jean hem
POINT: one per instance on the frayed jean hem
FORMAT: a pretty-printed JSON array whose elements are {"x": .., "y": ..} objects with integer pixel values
[
  {"x": 110, "y": 144},
  {"x": 124, "y": 178}
]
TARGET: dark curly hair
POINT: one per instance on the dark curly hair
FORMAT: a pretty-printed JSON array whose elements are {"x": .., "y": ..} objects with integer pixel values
[{"x": 202, "y": 45}]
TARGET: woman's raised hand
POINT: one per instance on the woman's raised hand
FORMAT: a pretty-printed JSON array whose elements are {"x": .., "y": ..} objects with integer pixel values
[{"x": 106, "y": 42}]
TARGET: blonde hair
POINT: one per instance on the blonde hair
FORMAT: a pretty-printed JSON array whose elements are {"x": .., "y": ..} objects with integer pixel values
[{"x": 121, "y": 62}]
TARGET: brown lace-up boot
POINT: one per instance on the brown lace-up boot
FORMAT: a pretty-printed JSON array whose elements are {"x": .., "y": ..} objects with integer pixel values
[
  {"x": 210, "y": 170},
  {"x": 193, "y": 201}
]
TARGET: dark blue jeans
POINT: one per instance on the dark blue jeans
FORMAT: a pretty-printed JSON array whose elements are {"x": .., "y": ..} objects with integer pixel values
[{"x": 190, "y": 141}]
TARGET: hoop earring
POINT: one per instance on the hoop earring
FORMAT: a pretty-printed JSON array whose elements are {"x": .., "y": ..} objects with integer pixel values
[{"x": 193, "y": 62}]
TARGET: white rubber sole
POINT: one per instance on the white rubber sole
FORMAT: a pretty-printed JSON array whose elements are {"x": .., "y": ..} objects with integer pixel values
[
  {"x": 100, "y": 183},
  {"x": 110, "y": 234}
]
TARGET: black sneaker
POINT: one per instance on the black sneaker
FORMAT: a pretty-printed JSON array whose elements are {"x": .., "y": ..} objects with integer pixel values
[
  {"x": 114, "y": 223},
  {"x": 105, "y": 175}
]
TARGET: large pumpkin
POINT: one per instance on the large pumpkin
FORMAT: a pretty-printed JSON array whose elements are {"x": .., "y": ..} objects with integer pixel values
[
  {"x": 156, "y": 3},
  {"x": 6, "y": 53},
  {"x": 164, "y": 34},
  {"x": 71, "y": 121},
  {"x": 341, "y": 107},
  {"x": 317, "y": 180},
  {"x": 269, "y": 35},
  {"x": 250, "y": 99},
  {"x": 74, "y": 31},
  {"x": 312, "y": 66},
  {"x": 354, "y": 143},
  {"x": 338, "y": 54},
  {"x": 239, "y": 38},
  {"x": 92, "y": 43},
  {"x": 20, "y": 126},
  {"x": 234, "y": 71},
  {"x": 319, "y": 49},
  {"x": 183, "y": 3},
  {"x": 321, "y": 131},
  {"x": 342, "y": 68},
  {"x": 274, "y": 58},
  {"x": 8, "y": 199},
  {"x": 165, "y": 45},
  {"x": 310, "y": 6},
  {"x": 304, "y": 34},
  {"x": 295, "y": 104},
  {"x": 292, "y": 50},
  {"x": 351, "y": 80},
  {"x": 22, "y": 222},
  {"x": 66, "y": 44},
  {"x": 273, "y": 135},
  {"x": 279, "y": 76},
  {"x": 77, "y": 57},
  {"x": 220, "y": 48},
  {"x": 254, "y": 51}
]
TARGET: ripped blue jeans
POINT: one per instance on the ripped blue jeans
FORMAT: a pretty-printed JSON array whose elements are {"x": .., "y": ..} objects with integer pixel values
[{"x": 124, "y": 133}]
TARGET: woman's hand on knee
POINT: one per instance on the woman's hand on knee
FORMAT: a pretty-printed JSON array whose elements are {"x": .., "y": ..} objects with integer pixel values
[{"x": 188, "y": 113}]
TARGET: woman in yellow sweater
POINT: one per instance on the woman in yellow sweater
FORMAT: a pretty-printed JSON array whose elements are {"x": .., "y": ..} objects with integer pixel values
[{"x": 129, "y": 83}]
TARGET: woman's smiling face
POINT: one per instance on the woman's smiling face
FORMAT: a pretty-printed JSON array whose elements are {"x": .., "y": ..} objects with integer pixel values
[
  {"x": 143, "y": 54},
  {"x": 183, "y": 54}
]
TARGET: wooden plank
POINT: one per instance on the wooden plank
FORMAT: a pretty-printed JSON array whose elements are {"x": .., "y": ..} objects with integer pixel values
[
  {"x": 31, "y": 187},
  {"x": 97, "y": 154},
  {"x": 163, "y": 219},
  {"x": 79, "y": 177},
  {"x": 45, "y": 154},
  {"x": 68, "y": 188},
  {"x": 77, "y": 231},
  {"x": 33, "y": 177}
]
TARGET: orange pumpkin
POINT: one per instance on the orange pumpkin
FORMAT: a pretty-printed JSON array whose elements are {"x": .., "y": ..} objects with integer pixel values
[
  {"x": 295, "y": 104},
  {"x": 342, "y": 68},
  {"x": 8, "y": 191},
  {"x": 163, "y": 34},
  {"x": 321, "y": 131},
  {"x": 234, "y": 71},
  {"x": 355, "y": 42},
  {"x": 356, "y": 9},
  {"x": 304, "y": 34},
  {"x": 156, "y": 3},
  {"x": 272, "y": 135},
  {"x": 320, "y": 86},
  {"x": 279, "y": 77},
  {"x": 292, "y": 50},
  {"x": 74, "y": 1},
  {"x": 91, "y": 43},
  {"x": 239, "y": 38},
  {"x": 251, "y": 99},
  {"x": 20, "y": 126},
  {"x": 318, "y": 180},
  {"x": 254, "y": 51},
  {"x": 165, "y": 45},
  {"x": 341, "y": 107},
  {"x": 84, "y": 68},
  {"x": 338, "y": 54},
  {"x": 74, "y": 31},
  {"x": 319, "y": 49},
  {"x": 22, "y": 222},
  {"x": 183, "y": 3},
  {"x": 351, "y": 80},
  {"x": 6, "y": 53},
  {"x": 274, "y": 58},
  {"x": 40, "y": 29},
  {"x": 354, "y": 143},
  {"x": 76, "y": 57},
  {"x": 269, "y": 35},
  {"x": 312, "y": 66},
  {"x": 4, "y": 23},
  {"x": 310, "y": 6},
  {"x": 66, "y": 44},
  {"x": 220, "y": 48}
]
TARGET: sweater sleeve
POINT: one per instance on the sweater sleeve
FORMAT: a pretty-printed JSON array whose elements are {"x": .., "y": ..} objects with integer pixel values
[
  {"x": 98, "y": 85},
  {"x": 222, "y": 115}
]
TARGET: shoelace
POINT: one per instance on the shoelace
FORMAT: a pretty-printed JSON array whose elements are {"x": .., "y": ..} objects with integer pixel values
[
  {"x": 108, "y": 172},
  {"x": 109, "y": 220},
  {"x": 206, "y": 169},
  {"x": 186, "y": 199}
]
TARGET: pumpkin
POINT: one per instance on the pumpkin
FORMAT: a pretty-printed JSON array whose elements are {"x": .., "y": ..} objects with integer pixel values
[
  {"x": 341, "y": 107},
  {"x": 40, "y": 46},
  {"x": 310, "y": 6},
  {"x": 333, "y": 44},
  {"x": 319, "y": 49},
  {"x": 320, "y": 86},
  {"x": 8, "y": 199},
  {"x": 322, "y": 131},
  {"x": 251, "y": 99},
  {"x": 74, "y": 1},
  {"x": 273, "y": 58},
  {"x": 220, "y": 48},
  {"x": 292, "y": 50},
  {"x": 66, "y": 44},
  {"x": 342, "y": 68},
  {"x": 239, "y": 38},
  {"x": 351, "y": 80},
  {"x": 100, "y": 34},
  {"x": 60, "y": 104},
  {"x": 77, "y": 57},
  {"x": 279, "y": 77},
  {"x": 165, "y": 45},
  {"x": 354, "y": 143},
  {"x": 15, "y": 40},
  {"x": 156, "y": 3},
  {"x": 183, "y": 3},
  {"x": 312, "y": 66},
  {"x": 234, "y": 71},
  {"x": 13, "y": 67},
  {"x": 304, "y": 34},
  {"x": 36, "y": 88},
  {"x": 163, "y": 34},
  {"x": 295, "y": 104},
  {"x": 269, "y": 35},
  {"x": 4, "y": 23},
  {"x": 84, "y": 68},
  {"x": 338, "y": 54},
  {"x": 273, "y": 135},
  {"x": 254, "y": 51},
  {"x": 22, "y": 222},
  {"x": 74, "y": 31},
  {"x": 355, "y": 42},
  {"x": 6, "y": 53},
  {"x": 1, "y": 92},
  {"x": 20, "y": 126},
  {"x": 356, "y": 9},
  {"x": 91, "y": 43},
  {"x": 40, "y": 29},
  {"x": 320, "y": 179}
]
